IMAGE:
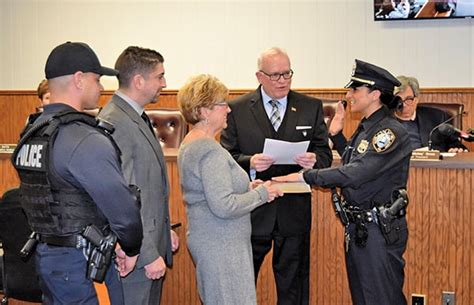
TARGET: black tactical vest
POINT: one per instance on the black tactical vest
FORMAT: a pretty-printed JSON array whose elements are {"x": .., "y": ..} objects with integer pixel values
[{"x": 53, "y": 206}]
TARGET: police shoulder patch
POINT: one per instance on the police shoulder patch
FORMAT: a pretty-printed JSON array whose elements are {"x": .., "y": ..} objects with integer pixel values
[{"x": 383, "y": 139}]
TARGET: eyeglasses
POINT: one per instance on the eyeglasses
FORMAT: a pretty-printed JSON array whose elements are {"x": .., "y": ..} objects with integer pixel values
[
  {"x": 276, "y": 76},
  {"x": 408, "y": 100},
  {"x": 223, "y": 103}
]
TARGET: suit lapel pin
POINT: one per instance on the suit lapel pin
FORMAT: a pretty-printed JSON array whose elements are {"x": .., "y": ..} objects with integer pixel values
[
  {"x": 305, "y": 133},
  {"x": 293, "y": 109}
]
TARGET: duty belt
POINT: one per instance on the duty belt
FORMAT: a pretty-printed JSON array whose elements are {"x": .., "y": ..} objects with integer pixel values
[
  {"x": 355, "y": 215},
  {"x": 74, "y": 241}
]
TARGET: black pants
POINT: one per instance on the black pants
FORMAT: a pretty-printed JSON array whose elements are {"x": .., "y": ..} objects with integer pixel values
[
  {"x": 290, "y": 265},
  {"x": 376, "y": 271}
]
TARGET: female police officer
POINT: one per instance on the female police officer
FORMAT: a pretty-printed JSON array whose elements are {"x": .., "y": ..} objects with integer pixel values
[{"x": 375, "y": 166}]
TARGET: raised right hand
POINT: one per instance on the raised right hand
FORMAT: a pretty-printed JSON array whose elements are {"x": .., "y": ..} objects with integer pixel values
[{"x": 337, "y": 122}]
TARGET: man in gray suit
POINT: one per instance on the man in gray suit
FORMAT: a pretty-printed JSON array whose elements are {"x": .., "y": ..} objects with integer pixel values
[{"x": 141, "y": 78}]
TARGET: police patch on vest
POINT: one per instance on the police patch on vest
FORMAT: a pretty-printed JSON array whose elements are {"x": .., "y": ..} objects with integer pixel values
[
  {"x": 383, "y": 139},
  {"x": 362, "y": 146},
  {"x": 32, "y": 155}
]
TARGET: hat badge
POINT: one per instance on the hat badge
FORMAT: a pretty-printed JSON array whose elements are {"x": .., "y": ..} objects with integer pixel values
[{"x": 354, "y": 67}]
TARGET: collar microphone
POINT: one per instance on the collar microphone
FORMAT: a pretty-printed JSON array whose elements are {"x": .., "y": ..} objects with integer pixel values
[{"x": 438, "y": 126}]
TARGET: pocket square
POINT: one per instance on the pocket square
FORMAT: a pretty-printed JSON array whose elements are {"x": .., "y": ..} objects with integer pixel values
[{"x": 303, "y": 127}]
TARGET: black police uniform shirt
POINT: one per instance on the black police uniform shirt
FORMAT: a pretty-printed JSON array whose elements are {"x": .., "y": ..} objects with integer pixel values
[
  {"x": 86, "y": 159},
  {"x": 375, "y": 162}
]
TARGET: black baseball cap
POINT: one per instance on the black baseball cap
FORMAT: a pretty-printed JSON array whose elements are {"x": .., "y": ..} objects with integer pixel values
[
  {"x": 70, "y": 57},
  {"x": 365, "y": 73}
]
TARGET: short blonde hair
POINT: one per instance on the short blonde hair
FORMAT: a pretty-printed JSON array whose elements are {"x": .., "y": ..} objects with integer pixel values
[{"x": 202, "y": 90}]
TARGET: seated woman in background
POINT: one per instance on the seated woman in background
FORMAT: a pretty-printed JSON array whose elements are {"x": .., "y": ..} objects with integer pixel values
[{"x": 219, "y": 198}]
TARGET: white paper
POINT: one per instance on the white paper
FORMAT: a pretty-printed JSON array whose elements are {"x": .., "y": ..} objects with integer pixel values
[
  {"x": 292, "y": 187},
  {"x": 284, "y": 152},
  {"x": 448, "y": 154}
]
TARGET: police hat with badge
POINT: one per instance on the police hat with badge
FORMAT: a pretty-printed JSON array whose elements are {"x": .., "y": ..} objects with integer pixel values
[{"x": 377, "y": 78}]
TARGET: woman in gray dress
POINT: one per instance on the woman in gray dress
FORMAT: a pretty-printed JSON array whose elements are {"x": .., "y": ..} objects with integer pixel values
[{"x": 219, "y": 198}]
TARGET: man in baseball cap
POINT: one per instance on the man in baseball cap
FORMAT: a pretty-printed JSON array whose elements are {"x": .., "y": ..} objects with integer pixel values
[
  {"x": 77, "y": 63},
  {"x": 70, "y": 57},
  {"x": 76, "y": 183}
]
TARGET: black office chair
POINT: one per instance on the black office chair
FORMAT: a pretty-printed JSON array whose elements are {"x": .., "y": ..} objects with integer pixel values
[
  {"x": 454, "y": 110},
  {"x": 329, "y": 110},
  {"x": 20, "y": 280}
]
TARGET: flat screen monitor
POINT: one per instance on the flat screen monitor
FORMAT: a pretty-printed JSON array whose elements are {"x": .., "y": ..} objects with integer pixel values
[{"x": 422, "y": 9}]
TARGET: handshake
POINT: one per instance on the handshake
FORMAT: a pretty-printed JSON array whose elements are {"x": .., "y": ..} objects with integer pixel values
[
  {"x": 273, "y": 192},
  {"x": 278, "y": 186}
]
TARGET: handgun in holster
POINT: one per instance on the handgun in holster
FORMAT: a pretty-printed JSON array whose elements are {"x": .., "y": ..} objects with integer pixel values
[
  {"x": 101, "y": 252},
  {"x": 339, "y": 207},
  {"x": 386, "y": 214}
]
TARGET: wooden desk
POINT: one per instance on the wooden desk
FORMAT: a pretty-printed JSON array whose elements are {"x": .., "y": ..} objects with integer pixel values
[{"x": 439, "y": 256}]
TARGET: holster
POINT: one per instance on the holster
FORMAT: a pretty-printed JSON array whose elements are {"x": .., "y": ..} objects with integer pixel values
[
  {"x": 339, "y": 206},
  {"x": 387, "y": 214},
  {"x": 389, "y": 233},
  {"x": 100, "y": 254}
]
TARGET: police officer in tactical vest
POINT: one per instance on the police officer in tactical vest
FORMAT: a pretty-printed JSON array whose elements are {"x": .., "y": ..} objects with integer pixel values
[
  {"x": 373, "y": 179},
  {"x": 72, "y": 188}
]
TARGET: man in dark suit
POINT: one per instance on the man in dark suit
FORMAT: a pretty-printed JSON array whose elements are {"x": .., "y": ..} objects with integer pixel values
[
  {"x": 274, "y": 111},
  {"x": 141, "y": 78},
  {"x": 420, "y": 120}
]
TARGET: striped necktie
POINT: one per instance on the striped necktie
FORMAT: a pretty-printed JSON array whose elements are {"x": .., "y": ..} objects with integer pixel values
[{"x": 275, "y": 117}]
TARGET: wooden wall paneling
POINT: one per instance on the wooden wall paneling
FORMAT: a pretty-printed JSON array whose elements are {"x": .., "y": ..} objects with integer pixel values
[
  {"x": 328, "y": 274},
  {"x": 437, "y": 239},
  {"x": 469, "y": 257},
  {"x": 456, "y": 230},
  {"x": 14, "y": 109},
  {"x": 440, "y": 217},
  {"x": 8, "y": 175},
  {"x": 16, "y": 105},
  {"x": 466, "y": 260},
  {"x": 184, "y": 288},
  {"x": 439, "y": 254}
]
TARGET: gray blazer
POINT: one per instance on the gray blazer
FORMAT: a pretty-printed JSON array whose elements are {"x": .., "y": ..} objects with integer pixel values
[{"x": 143, "y": 164}]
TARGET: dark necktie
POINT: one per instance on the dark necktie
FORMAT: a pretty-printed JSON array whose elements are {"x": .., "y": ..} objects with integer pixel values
[
  {"x": 275, "y": 117},
  {"x": 148, "y": 122}
]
